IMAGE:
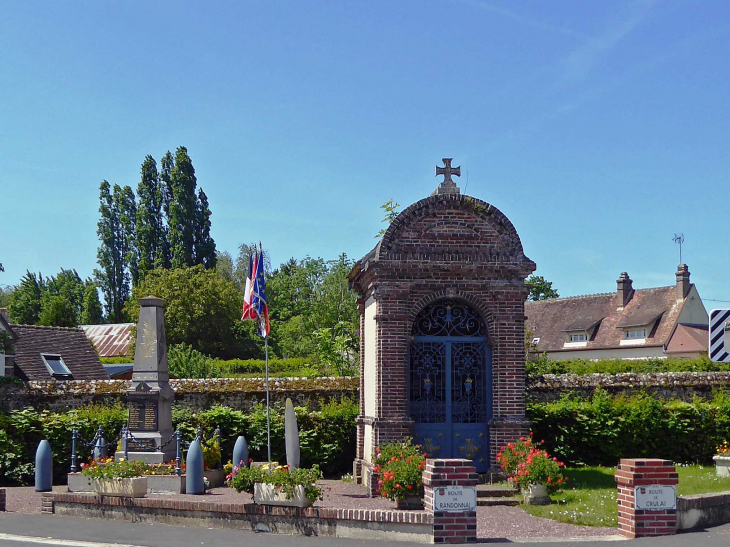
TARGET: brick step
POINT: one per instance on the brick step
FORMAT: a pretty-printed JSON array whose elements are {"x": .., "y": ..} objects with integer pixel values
[
  {"x": 495, "y": 491},
  {"x": 489, "y": 502}
]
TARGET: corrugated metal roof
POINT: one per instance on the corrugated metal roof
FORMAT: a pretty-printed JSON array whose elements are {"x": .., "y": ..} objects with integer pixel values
[{"x": 110, "y": 340}]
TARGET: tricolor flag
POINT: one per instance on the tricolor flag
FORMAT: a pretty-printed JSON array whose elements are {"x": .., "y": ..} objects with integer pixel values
[{"x": 254, "y": 295}]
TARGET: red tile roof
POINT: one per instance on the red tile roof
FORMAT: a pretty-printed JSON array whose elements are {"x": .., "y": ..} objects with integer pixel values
[
  {"x": 602, "y": 317},
  {"x": 688, "y": 339}
]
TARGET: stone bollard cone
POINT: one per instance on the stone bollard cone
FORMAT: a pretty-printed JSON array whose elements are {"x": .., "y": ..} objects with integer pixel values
[
  {"x": 43, "y": 467},
  {"x": 291, "y": 435},
  {"x": 240, "y": 453},
  {"x": 195, "y": 482}
]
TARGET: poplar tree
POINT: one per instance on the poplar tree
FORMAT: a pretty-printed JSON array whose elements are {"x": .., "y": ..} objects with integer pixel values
[
  {"x": 92, "y": 313},
  {"x": 182, "y": 219},
  {"x": 150, "y": 232},
  {"x": 166, "y": 164},
  {"x": 116, "y": 255},
  {"x": 204, "y": 244}
]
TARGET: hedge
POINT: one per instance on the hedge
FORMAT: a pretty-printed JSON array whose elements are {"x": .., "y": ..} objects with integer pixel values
[
  {"x": 603, "y": 429},
  {"x": 542, "y": 365},
  {"x": 327, "y": 436}
]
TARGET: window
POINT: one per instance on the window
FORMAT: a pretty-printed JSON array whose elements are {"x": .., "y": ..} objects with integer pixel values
[
  {"x": 55, "y": 365},
  {"x": 635, "y": 334},
  {"x": 578, "y": 337}
]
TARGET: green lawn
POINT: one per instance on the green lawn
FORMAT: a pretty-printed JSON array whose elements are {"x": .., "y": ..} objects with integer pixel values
[{"x": 591, "y": 498}]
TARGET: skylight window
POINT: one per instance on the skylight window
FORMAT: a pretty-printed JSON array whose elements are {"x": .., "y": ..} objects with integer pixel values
[{"x": 55, "y": 365}]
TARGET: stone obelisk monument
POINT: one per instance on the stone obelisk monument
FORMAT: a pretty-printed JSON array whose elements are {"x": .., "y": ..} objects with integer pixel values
[{"x": 150, "y": 396}]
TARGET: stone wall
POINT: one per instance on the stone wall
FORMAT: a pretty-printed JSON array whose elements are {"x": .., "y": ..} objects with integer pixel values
[
  {"x": 246, "y": 392},
  {"x": 668, "y": 385},
  {"x": 239, "y": 393}
]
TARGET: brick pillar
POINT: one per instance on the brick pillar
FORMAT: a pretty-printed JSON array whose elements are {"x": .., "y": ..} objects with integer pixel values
[
  {"x": 47, "y": 504},
  {"x": 633, "y": 522},
  {"x": 450, "y": 527},
  {"x": 2, "y": 499}
]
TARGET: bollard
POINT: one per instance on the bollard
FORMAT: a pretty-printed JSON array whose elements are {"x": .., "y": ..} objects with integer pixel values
[
  {"x": 178, "y": 453},
  {"x": 217, "y": 435},
  {"x": 291, "y": 435},
  {"x": 195, "y": 483},
  {"x": 74, "y": 456},
  {"x": 100, "y": 448},
  {"x": 240, "y": 453},
  {"x": 43, "y": 467}
]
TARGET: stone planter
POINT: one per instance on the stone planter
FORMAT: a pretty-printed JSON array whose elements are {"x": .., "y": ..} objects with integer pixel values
[
  {"x": 135, "y": 487},
  {"x": 268, "y": 494},
  {"x": 536, "y": 494},
  {"x": 722, "y": 466},
  {"x": 409, "y": 503}
]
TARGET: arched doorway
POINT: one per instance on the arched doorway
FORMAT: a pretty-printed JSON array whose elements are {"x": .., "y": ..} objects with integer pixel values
[{"x": 450, "y": 382}]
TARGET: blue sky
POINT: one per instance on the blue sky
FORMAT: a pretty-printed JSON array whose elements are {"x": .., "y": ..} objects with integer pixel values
[{"x": 599, "y": 128}]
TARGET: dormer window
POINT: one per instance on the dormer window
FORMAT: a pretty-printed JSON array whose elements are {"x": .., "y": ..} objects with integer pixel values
[
  {"x": 56, "y": 367},
  {"x": 578, "y": 337},
  {"x": 635, "y": 334}
]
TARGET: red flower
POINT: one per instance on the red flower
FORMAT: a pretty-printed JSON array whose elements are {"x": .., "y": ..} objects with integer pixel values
[
  {"x": 397, "y": 485},
  {"x": 410, "y": 487}
]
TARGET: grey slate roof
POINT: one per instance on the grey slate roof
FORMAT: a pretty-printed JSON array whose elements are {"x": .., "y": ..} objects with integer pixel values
[{"x": 71, "y": 343}]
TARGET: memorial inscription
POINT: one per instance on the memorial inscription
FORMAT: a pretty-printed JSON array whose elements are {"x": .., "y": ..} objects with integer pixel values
[{"x": 143, "y": 415}]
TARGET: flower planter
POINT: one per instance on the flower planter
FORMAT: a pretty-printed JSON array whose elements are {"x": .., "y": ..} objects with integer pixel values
[
  {"x": 722, "y": 466},
  {"x": 536, "y": 494},
  {"x": 269, "y": 494},
  {"x": 409, "y": 503},
  {"x": 135, "y": 487}
]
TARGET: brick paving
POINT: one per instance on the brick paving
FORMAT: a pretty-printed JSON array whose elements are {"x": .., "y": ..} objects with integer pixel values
[{"x": 492, "y": 522}]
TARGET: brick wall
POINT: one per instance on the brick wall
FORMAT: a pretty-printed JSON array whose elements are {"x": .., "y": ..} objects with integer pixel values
[
  {"x": 457, "y": 247},
  {"x": 451, "y": 527},
  {"x": 634, "y": 522}
]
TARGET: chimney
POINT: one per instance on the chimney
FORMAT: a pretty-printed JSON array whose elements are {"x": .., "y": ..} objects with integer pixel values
[
  {"x": 682, "y": 281},
  {"x": 624, "y": 288}
]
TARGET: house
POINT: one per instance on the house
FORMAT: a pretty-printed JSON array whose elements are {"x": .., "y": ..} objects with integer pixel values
[
  {"x": 627, "y": 324},
  {"x": 114, "y": 340},
  {"x": 39, "y": 353}
]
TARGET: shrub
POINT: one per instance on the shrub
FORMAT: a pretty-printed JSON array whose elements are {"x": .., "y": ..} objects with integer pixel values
[
  {"x": 527, "y": 464},
  {"x": 186, "y": 362},
  {"x": 109, "y": 469},
  {"x": 400, "y": 465}
]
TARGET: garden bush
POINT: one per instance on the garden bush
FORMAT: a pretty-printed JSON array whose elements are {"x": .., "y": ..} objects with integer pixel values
[
  {"x": 542, "y": 365},
  {"x": 603, "y": 429}
]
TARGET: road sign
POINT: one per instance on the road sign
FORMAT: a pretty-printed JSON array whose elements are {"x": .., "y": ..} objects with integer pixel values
[{"x": 719, "y": 347}]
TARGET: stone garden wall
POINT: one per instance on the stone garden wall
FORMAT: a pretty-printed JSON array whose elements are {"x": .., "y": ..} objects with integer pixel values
[
  {"x": 244, "y": 393},
  {"x": 667, "y": 385},
  {"x": 239, "y": 393}
]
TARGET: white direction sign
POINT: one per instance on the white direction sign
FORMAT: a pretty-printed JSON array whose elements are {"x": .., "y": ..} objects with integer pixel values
[
  {"x": 719, "y": 346},
  {"x": 655, "y": 497},
  {"x": 455, "y": 498}
]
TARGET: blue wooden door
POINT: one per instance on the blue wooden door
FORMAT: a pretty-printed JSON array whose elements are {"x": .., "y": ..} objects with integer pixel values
[{"x": 450, "y": 383}]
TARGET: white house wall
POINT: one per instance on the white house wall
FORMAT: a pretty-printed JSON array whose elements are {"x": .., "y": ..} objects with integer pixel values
[
  {"x": 369, "y": 371},
  {"x": 693, "y": 312},
  {"x": 627, "y": 352}
]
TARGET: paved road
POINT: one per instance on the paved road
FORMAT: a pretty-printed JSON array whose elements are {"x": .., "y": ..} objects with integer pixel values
[{"x": 17, "y": 530}]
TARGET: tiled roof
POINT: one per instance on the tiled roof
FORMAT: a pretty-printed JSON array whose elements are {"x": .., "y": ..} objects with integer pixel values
[
  {"x": 77, "y": 352},
  {"x": 550, "y": 320},
  {"x": 688, "y": 339},
  {"x": 110, "y": 340}
]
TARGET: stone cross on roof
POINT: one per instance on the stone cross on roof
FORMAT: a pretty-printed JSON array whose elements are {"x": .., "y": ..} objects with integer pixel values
[{"x": 448, "y": 186}]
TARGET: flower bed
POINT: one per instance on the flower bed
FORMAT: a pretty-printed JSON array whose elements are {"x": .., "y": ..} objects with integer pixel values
[
  {"x": 284, "y": 486},
  {"x": 400, "y": 467}
]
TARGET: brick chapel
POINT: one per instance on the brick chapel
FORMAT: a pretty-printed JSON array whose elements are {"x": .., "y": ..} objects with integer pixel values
[{"x": 442, "y": 313}]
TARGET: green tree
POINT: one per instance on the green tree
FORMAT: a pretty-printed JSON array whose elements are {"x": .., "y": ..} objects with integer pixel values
[
  {"x": 201, "y": 308},
  {"x": 224, "y": 265},
  {"x": 92, "y": 313},
  {"x": 25, "y": 304},
  {"x": 540, "y": 288},
  {"x": 116, "y": 233},
  {"x": 57, "y": 311},
  {"x": 68, "y": 285},
  {"x": 150, "y": 226},
  {"x": 182, "y": 219},
  {"x": 6, "y": 295},
  {"x": 204, "y": 244},
  {"x": 166, "y": 164}
]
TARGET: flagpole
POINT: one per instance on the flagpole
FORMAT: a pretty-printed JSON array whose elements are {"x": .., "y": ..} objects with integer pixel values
[{"x": 268, "y": 407}]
